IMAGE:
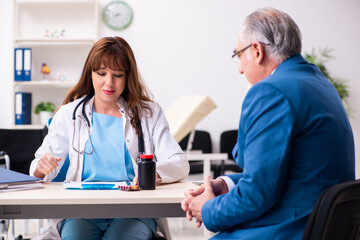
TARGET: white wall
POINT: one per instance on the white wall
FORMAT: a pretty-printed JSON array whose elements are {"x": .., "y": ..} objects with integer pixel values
[
  {"x": 6, "y": 63},
  {"x": 185, "y": 46}
]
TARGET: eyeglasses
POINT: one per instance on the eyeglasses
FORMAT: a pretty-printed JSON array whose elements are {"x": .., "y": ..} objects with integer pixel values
[{"x": 237, "y": 54}]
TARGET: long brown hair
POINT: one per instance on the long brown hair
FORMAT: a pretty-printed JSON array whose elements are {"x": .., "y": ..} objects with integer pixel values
[{"x": 116, "y": 54}]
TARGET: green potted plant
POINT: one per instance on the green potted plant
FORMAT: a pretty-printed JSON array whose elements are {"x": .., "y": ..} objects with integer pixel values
[
  {"x": 319, "y": 58},
  {"x": 45, "y": 110}
]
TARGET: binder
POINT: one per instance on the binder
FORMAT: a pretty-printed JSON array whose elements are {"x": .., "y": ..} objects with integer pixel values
[
  {"x": 22, "y": 63},
  {"x": 12, "y": 181},
  {"x": 22, "y": 108},
  {"x": 18, "y": 64},
  {"x": 8, "y": 177},
  {"x": 27, "y": 64}
]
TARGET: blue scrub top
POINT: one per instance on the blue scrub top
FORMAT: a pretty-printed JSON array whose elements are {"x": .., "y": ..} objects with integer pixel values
[{"x": 110, "y": 161}]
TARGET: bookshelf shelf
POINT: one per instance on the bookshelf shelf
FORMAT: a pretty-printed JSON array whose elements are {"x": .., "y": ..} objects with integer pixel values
[
  {"x": 59, "y": 33},
  {"x": 29, "y": 126},
  {"x": 41, "y": 41},
  {"x": 45, "y": 84}
]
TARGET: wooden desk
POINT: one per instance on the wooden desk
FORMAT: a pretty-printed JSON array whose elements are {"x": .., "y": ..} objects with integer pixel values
[{"x": 53, "y": 201}]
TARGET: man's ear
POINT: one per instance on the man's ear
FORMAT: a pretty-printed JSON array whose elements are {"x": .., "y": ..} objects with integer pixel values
[{"x": 258, "y": 52}]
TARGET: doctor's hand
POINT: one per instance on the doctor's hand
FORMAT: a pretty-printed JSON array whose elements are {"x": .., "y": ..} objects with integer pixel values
[
  {"x": 45, "y": 165},
  {"x": 195, "y": 199}
]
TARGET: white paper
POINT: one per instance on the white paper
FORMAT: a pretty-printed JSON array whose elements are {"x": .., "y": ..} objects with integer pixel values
[{"x": 20, "y": 186}]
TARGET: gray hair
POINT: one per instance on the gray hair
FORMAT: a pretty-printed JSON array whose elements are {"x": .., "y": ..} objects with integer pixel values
[{"x": 269, "y": 25}]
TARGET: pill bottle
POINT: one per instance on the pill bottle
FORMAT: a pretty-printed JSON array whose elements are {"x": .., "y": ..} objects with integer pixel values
[{"x": 147, "y": 172}]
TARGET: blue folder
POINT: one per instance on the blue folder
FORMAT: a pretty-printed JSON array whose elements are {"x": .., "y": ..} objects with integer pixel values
[
  {"x": 22, "y": 108},
  {"x": 27, "y": 64},
  {"x": 11, "y": 177},
  {"x": 22, "y": 63},
  {"x": 18, "y": 64}
]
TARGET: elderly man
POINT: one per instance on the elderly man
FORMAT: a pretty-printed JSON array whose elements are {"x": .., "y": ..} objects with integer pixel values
[{"x": 294, "y": 139}]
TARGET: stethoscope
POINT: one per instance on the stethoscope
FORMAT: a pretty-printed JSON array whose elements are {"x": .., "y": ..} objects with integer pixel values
[{"x": 83, "y": 103}]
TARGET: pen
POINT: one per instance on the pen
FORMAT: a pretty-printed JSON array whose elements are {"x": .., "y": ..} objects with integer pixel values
[
  {"x": 98, "y": 186},
  {"x": 53, "y": 156}
]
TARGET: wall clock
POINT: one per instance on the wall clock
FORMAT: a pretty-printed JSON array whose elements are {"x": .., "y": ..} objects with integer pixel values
[{"x": 117, "y": 15}]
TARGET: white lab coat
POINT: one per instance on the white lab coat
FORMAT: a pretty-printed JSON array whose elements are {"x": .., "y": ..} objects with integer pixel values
[{"x": 171, "y": 165}]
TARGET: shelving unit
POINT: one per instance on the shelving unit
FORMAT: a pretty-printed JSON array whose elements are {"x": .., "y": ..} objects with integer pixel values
[
  {"x": 30, "y": 84},
  {"x": 60, "y": 34}
]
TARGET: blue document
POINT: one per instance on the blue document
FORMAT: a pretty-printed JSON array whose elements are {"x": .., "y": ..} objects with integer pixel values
[
  {"x": 95, "y": 185},
  {"x": 22, "y": 64},
  {"x": 8, "y": 177},
  {"x": 18, "y": 64},
  {"x": 27, "y": 64},
  {"x": 22, "y": 108},
  {"x": 14, "y": 181}
]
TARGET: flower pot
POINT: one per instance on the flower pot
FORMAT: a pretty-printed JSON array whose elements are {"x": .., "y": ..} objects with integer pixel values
[{"x": 45, "y": 116}]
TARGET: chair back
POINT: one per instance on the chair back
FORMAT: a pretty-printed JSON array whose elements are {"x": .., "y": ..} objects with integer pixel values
[
  {"x": 20, "y": 145},
  {"x": 228, "y": 141},
  {"x": 202, "y": 141},
  {"x": 336, "y": 214}
]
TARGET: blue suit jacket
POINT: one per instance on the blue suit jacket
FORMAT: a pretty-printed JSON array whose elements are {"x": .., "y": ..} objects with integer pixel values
[{"x": 294, "y": 141}]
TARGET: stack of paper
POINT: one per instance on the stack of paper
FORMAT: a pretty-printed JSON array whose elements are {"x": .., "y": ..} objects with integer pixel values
[
  {"x": 186, "y": 112},
  {"x": 14, "y": 181}
]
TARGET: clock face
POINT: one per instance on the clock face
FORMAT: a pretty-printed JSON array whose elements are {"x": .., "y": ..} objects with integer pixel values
[{"x": 117, "y": 15}]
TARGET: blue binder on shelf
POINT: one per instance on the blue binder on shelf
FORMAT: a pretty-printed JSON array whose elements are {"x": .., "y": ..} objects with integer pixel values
[
  {"x": 22, "y": 63},
  {"x": 18, "y": 63},
  {"x": 22, "y": 108},
  {"x": 27, "y": 64}
]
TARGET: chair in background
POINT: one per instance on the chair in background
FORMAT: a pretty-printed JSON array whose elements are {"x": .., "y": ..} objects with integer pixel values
[
  {"x": 227, "y": 142},
  {"x": 19, "y": 147},
  {"x": 4, "y": 160},
  {"x": 201, "y": 142},
  {"x": 336, "y": 214},
  {"x": 5, "y": 224}
]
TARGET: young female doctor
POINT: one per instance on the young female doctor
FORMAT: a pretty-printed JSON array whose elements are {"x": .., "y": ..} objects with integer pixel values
[{"x": 97, "y": 127}]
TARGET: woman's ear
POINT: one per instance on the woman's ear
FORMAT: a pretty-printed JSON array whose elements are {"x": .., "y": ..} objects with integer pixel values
[{"x": 258, "y": 52}]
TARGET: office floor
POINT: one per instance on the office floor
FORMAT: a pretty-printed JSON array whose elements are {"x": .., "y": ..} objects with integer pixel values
[{"x": 180, "y": 228}]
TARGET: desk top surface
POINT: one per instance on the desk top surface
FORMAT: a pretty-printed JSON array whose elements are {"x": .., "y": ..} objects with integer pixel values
[{"x": 54, "y": 193}]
